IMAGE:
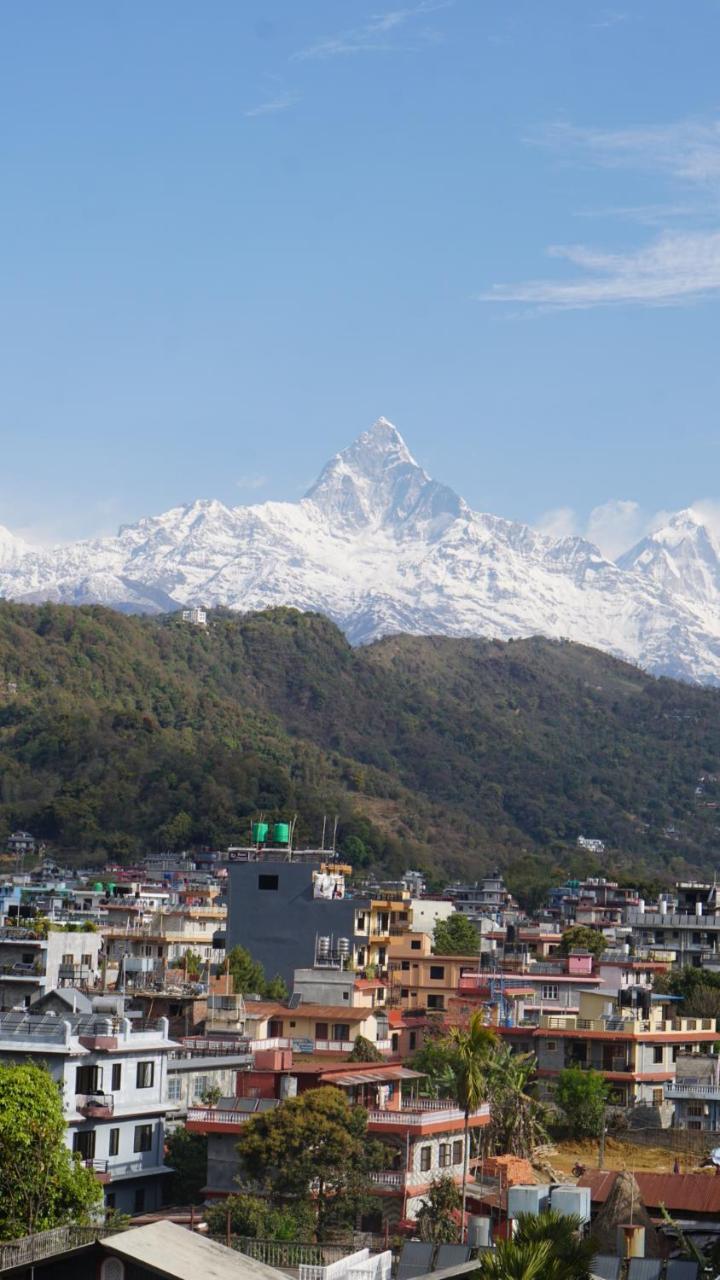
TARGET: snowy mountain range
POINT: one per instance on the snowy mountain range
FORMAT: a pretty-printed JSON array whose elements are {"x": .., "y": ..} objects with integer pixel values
[{"x": 380, "y": 547}]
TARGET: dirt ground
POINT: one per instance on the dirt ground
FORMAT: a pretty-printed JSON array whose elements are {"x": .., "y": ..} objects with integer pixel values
[{"x": 620, "y": 1155}]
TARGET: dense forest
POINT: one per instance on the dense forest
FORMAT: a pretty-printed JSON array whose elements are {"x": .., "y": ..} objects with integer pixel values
[{"x": 120, "y": 734}]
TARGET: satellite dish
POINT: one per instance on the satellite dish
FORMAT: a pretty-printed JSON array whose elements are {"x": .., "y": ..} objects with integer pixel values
[{"x": 715, "y": 1156}]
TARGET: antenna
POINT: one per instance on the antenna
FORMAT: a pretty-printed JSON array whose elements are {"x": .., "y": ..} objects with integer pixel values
[
  {"x": 335, "y": 827},
  {"x": 322, "y": 840}
]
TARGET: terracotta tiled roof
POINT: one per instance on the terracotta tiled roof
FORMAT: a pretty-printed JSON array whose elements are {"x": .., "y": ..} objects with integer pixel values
[{"x": 686, "y": 1193}]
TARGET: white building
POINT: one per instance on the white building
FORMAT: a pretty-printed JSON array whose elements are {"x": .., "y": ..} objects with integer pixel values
[
  {"x": 198, "y": 617},
  {"x": 31, "y": 964},
  {"x": 115, "y": 1093}
]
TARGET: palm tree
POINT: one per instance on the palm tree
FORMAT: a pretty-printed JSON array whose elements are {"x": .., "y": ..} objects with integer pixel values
[
  {"x": 546, "y": 1246},
  {"x": 572, "y": 1253},
  {"x": 513, "y": 1261},
  {"x": 517, "y": 1119},
  {"x": 471, "y": 1047}
]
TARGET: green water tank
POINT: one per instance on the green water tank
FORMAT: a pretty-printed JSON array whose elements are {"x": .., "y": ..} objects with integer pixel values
[
  {"x": 259, "y": 832},
  {"x": 111, "y": 886},
  {"x": 98, "y": 887},
  {"x": 281, "y": 833}
]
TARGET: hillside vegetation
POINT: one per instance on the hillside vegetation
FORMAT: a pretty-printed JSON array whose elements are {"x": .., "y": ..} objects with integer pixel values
[{"x": 119, "y": 734}]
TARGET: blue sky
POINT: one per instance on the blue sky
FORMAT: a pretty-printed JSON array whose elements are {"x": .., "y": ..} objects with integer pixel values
[{"x": 232, "y": 234}]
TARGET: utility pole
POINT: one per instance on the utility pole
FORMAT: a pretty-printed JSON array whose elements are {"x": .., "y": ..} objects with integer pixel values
[{"x": 603, "y": 1130}]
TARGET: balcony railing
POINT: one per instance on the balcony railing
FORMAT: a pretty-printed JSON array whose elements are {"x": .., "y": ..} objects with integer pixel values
[
  {"x": 97, "y": 1105},
  {"x": 692, "y": 1089},
  {"x": 441, "y": 1113}
]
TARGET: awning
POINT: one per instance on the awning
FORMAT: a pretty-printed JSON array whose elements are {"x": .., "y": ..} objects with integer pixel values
[{"x": 377, "y": 1076}]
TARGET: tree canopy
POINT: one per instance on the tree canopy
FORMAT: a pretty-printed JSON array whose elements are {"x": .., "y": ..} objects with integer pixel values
[
  {"x": 249, "y": 978},
  {"x": 455, "y": 936},
  {"x": 42, "y": 1184},
  {"x": 581, "y": 1097},
  {"x": 438, "y": 1218},
  {"x": 581, "y": 937},
  {"x": 313, "y": 1149}
]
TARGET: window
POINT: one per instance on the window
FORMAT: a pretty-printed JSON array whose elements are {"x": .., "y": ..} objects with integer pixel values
[
  {"x": 88, "y": 1079},
  {"x": 139, "y": 1204},
  {"x": 346, "y": 996},
  {"x": 657, "y": 1095},
  {"x": 413, "y": 1039},
  {"x": 116, "y": 1076},
  {"x": 341, "y": 1031},
  {"x": 114, "y": 1144},
  {"x": 404, "y": 993},
  {"x": 551, "y": 1046},
  {"x": 174, "y": 1088},
  {"x": 84, "y": 1143},
  {"x": 435, "y": 1002},
  {"x": 270, "y": 883},
  {"x": 550, "y": 991},
  {"x": 657, "y": 1053},
  {"x": 143, "y": 1137},
  {"x": 695, "y": 1108},
  {"x": 275, "y": 1028},
  {"x": 110, "y": 1200},
  {"x": 437, "y": 971},
  {"x": 457, "y": 1152},
  {"x": 321, "y": 1031},
  {"x": 415, "y": 946},
  {"x": 145, "y": 1075},
  {"x": 68, "y": 958},
  {"x": 405, "y": 964},
  {"x": 444, "y": 1155},
  {"x": 86, "y": 960},
  {"x": 425, "y": 1158}
]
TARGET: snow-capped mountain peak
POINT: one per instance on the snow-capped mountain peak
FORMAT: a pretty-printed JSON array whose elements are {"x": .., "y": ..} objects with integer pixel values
[{"x": 379, "y": 546}]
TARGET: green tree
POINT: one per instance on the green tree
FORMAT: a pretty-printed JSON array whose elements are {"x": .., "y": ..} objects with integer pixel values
[
  {"x": 313, "y": 1149},
  {"x": 252, "y": 1216},
  {"x": 472, "y": 1046},
  {"x": 546, "y": 1246},
  {"x": 581, "y": 937},
  {"x": 455, "y": 936},
  {"x": 192, "y": 964},
  {"x": 572, "y": 1252},
  {"x": 438, "y": 1216},
  {"x": 186, "y": 1155},
  {"x": 517, "y": 1119},
  {"x": 248, "y": 975},
  {"x": 364, "y": 1050},
  {"x": 581, "y": 1097},
  {"x": 437, "y": 1060},
  {"x": 276, "y": 989},
  {"x": 42, "y": 1184},
  {"x": 176, "y": 833}
]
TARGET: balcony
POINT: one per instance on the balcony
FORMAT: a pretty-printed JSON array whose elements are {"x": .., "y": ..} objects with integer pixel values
[
  {"x": 426, "y": 1111},
  {"x": 95, "y": 1106},
  {"x": 690, "y": 1089}
]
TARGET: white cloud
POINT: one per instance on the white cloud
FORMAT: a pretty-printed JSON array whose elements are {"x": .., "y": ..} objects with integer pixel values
[
  {"x": 685, "y": 149},
  {"x": 613, "y": 526},
  {"x": 375, "y": 36},
  {"x": 675, "y": 268},
  {"x": 252, "y": 482},
  {"x": 560, "y": 522},
  {"x": 280, "y": 103}
]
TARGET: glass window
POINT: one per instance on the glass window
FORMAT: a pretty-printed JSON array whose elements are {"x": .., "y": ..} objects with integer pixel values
[
  {"x": 657, "y": 1053},
  {"x": 341, "y": 1031},
  {"x": 425, "y": 1158},
  {"x": 321, "y": 1031},
  {"x": 145, "y": 1075},
  {"x": 437, "y": 971},
  {"x": 550, "y": 991},
  {"x": 444, "y": 1154},
  {"x": 116, "y": 1076},
  {"x": 143, "y": 1137},
  {"x": 84, "y": 1143},
  {"x": 114, "y": 1144},
  {"x": 457, "y": 1152},
  {"x": 88, "y": 1079},
  {"x": 268, "y": 882}
]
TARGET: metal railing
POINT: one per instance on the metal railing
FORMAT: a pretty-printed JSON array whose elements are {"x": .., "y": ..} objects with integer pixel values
[
  {"x": 440, "y": 1115},
  {"x": 691, "y": 1089},
  {"x": 45, "y": 1244}
]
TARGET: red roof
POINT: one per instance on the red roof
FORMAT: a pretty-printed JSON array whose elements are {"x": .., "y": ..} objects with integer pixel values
[{"x": 686, "y": 1193}]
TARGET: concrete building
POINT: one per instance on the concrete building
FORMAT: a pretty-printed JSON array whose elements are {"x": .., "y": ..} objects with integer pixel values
[
  {"x": 635, "y": 1047},
  {"x": 114, "y": 1086},
  {"x": 295, "y": 913},
  {"x": 32, "y": 963},
  {"x": 695, "y": 1092}
]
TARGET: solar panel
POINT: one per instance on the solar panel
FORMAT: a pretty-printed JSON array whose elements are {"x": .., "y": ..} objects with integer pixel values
[
  {"x": 605, "y": 1267},
  {"x": 682, "y": 1269},
  {"x": 415, "y": 1260},
  {"x": 295, "y": 1000},
  {"x": 644, "y": 1269},
  {"x": 451, "y": 1255}
]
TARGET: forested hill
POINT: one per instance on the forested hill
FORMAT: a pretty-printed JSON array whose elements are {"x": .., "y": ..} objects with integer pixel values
[{"x": 119, "y": 734}]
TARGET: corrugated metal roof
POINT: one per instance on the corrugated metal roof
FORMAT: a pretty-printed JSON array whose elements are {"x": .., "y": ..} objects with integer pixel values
[
  {"x": 170, "y": 1250},
  {"x": 376, "y": 1076},
  {"x": 679, "y": 1192}
]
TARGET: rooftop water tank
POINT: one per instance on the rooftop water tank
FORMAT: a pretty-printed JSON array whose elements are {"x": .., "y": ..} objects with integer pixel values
[
  {"x": 259, "y": 832},
  {"x": 572, "y": 1201},
  {"x": 281, "y": 833},
  {"x": 527, "y": 1198}
]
